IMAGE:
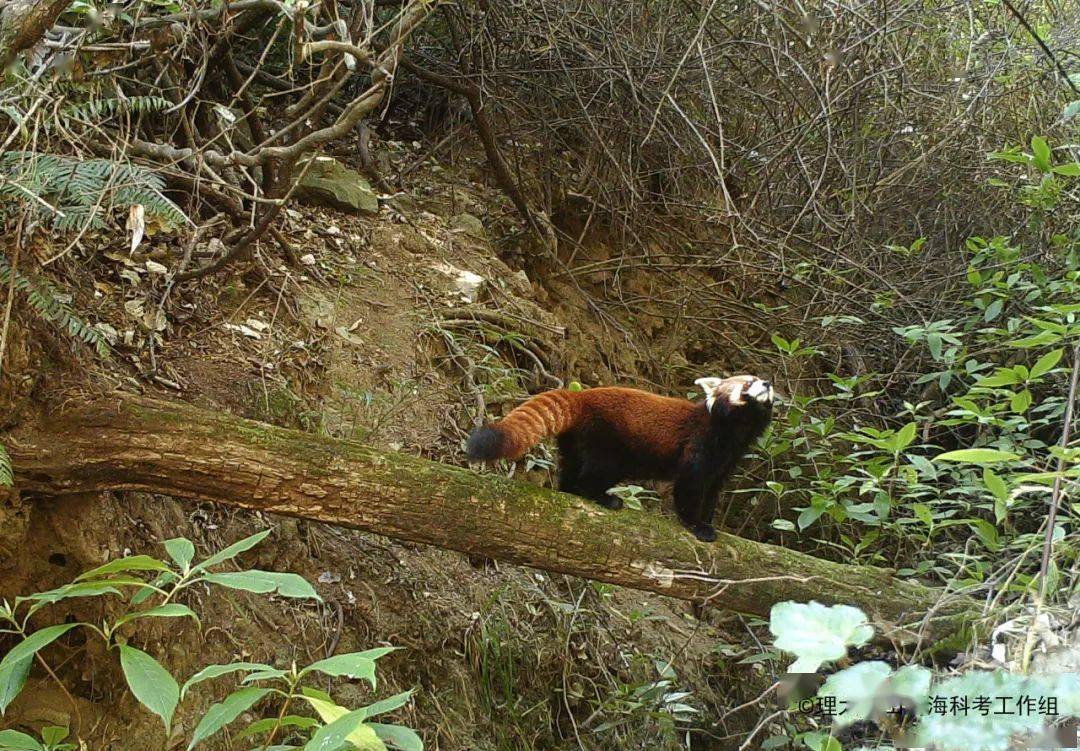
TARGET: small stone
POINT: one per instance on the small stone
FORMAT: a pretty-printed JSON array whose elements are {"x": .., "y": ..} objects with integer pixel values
[{"x": 327, "y": 182}]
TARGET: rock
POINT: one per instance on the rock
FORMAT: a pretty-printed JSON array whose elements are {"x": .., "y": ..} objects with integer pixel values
[
  {"x": 467, "y": 224},
  {"x": 466, "y": 283},
  {"x": 330, "y": 183}
]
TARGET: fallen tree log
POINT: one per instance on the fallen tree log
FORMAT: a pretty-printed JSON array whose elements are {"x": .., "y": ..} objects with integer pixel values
[{"x": 129, "y": 443}]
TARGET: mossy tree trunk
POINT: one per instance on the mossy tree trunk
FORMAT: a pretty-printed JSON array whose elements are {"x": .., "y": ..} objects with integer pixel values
[{"x": 127, "y": 443}]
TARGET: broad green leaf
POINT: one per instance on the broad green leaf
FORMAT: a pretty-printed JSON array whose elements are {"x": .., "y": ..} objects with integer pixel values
[
  {"x": 1000, "y": 491},
  {"x": 1072, "y": 109},
  {"x": 152, "y": 684},
  {"x": 354, "y": 665},
  {"x": 398, "y": 737},
  {"x": 162, "y": 579},
  {"x": 12, "y": 679},
  {"x": 267, "y": 724},
  {"x": 262, "y": 582},
  {"x": 82, "y": 589},
  {"x": 986, "y": 531},
  {"x": 171, "y": 610},
  {"x": 265, "y": 675},
  {"x": 809, "y": 516},
  {"x": 1047, "y": 362},
  {"x": 131, "y": 563},
  {"x": 1020, "y": 401},
  {"x": 820, "y": 740},
  {"x": 32, "y": 644},
  {"x": 223, "y": 712},
  {"x": 324, "y": 706},
  {"x": 215, "y": 671},
  {"x": 976, "y": 456},
  {"x": 911, "y": 682},
  {"x": 16, "y": 741},
  {"x": 53, "y": 734},
  {"x": 348, "y": 728},
  {"x": 389, "y": 704},
  {"x": 856, "y": 689},
  {"x": 904, "y": 437},
  {"x": 1037, "y": 340},
  {"x": 934, "y": 342},
  {"x": 923, "y": 513},
  {"x": 1003, "y": 377},
  {"x": 1072, "y": 169},
  {"x": 995, "y": 484},
  {"x": 1040, "y": 152},
  {"x": 233, "y": 550},
  {"x": 181, "y": 550},
  {"x": 816, "y": 633}
]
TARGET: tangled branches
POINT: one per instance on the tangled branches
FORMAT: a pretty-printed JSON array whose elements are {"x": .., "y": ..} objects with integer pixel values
[
  {"x": 165, "y": 90},
  {"x": 817, "y": 144}
]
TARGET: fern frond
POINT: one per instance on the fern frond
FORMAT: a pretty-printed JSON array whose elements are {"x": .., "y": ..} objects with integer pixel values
[
  {"x": 46, "y": 302},
  {"x": 77, "y": 193},
  {"x": 7, "y": 474},
  {"x": 95, "y": 109}
]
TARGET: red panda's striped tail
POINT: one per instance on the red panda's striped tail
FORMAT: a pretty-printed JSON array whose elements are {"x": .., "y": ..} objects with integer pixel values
[{"x": 548, "y": 414}]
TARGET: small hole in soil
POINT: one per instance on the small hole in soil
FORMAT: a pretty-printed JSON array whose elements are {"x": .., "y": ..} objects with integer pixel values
[{"x": 58, "y": 559}]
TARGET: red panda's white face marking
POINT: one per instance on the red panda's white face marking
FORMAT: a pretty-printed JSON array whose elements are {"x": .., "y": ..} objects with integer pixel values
[{"x": 736, "y": 391}]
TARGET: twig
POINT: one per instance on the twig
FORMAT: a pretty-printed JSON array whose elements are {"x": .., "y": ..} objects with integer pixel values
[
  {"x": 1046, "y": 49},
  {"x": 1055, "y": 495}
]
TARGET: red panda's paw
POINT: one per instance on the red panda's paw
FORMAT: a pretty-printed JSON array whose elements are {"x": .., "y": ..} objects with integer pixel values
[{"x": 704, "y": 532}]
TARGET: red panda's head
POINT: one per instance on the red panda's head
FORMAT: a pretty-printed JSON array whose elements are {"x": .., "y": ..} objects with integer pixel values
[{"x": 735, "y": 392}]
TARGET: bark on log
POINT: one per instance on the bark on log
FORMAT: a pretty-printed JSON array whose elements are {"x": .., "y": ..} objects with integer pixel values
[
  {"x": 129, "y": 443},
  {"x": 23, "y": 23}
]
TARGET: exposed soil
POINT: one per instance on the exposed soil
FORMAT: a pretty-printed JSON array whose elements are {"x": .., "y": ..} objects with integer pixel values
[{"x": 374, "y": 340}]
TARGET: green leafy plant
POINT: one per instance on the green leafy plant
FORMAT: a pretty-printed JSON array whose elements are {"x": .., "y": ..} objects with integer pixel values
[
  {"x": 46, "y": 302},
  {"x": 76, "y": 193},
  {"x": 331, "y": 725},
  {"x": 872, "y": 691},
  {"x": 816, "y": 634},
  {"x": 634, "y": 496}
]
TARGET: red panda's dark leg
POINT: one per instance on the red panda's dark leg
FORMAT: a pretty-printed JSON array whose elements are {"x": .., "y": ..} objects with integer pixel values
[
  {"x": 692, "y": 498},
  {"x": 594, "y": 486},
  {"x": 569, "y": 465}
]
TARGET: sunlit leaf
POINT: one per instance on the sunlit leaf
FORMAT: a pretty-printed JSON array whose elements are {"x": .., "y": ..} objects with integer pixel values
[
  {"x": 398, "y": 737},
  {"x": 16, "y": 741},
  {"x": 131, "y": 563},
  {"x": 1047, "y": 362},
  {"x": 215, "y": 671},
  {"x": 12, "y": 679},
  {"x": 181, "y": 550},
  {"x": 223, "y": 712},
  {"x": 232, "y": 551},
  {"x": 816, "y": 633},
  {"x": 262, "y": 582},
  {"x": 856, "y": 690},
  {"x": 34, "y": 643},
  {"x": 976, "y": 456},
  {"x": 1040, "y": 153},
  {"x": 151, "y": 684},
  {"x": 170, "y": 610}
]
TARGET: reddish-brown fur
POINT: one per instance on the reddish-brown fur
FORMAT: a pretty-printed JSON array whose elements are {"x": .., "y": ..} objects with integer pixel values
[
  {"x": 611, "y": 434},
  {"x": 657, "y": 422}
]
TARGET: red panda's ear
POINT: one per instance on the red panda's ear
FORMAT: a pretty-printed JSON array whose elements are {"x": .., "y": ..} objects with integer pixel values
[{"x": 709, "y": 385}]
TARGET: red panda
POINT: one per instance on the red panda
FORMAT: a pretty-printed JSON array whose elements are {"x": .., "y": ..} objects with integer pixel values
[{"x": 611, "y": 434}]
